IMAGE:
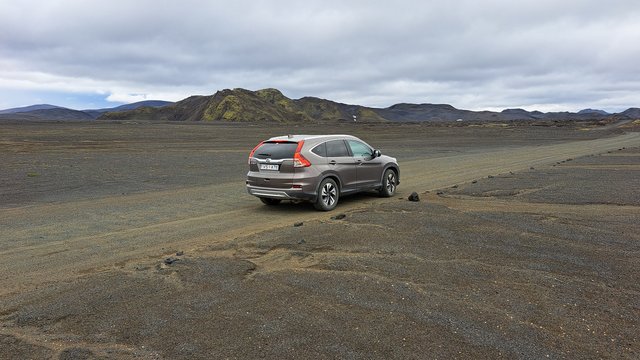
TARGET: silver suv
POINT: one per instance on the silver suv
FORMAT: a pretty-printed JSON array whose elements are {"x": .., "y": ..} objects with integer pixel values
[{"x": 318, "y": 168}]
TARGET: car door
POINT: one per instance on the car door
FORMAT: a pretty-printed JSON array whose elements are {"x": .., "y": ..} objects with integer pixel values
[
  {"x": 340, "y": 161},
  {"x": 368, "y": 168}
]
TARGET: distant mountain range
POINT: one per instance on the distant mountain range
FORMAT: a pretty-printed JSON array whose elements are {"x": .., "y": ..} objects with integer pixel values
[
  {"x": 53, "y": 112},
  {"x": 28, "y": 108},
  {"x": 270, "y": 105}
]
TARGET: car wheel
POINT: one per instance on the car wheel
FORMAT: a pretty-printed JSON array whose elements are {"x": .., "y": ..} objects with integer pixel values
[
  {"x": 389, "y": 182},
  {"x": 269, "y": 201},
  {"x": 328, "y": 195}
]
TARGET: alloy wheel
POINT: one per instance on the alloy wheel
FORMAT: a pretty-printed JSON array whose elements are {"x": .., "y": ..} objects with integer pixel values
[
  {"x": 391, "y": 182},
  {"x": 328, "y": 194}
]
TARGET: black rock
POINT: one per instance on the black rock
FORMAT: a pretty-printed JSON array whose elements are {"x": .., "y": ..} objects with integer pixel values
[
  {"x": 414, "y": 196},
  {"x": 338, "y": 217},
  {"x": 170, "y": 260},
  {"x": 454, "y": 187},
  {"x": 532, "y": 168},
  {"x": 490, "y": 177},
  {"x": 440, "y": 193},
  {"x": 180, "y": 253},
  {"x": 298, "y": 224},
  {"x": 474, "y": 181},
  {"x": 301, "y": 241}
]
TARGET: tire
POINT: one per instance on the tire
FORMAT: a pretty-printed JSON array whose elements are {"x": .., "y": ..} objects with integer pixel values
[
  {"x": 328, "y": 195},
  {"x": 389, "y": 183},
  {"x": 269, "y": 201}
]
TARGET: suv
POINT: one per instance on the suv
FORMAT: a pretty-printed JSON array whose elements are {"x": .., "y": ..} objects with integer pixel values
[{"x": 318, "y": 168}]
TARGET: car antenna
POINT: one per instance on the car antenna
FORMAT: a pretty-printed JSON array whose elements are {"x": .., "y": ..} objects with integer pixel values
[{"x": 289, "y": 136}]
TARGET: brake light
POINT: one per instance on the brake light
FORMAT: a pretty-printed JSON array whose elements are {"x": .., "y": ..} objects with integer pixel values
[
  {"x": 252, "y": 151},
  {"x": 298, "y": 159}
]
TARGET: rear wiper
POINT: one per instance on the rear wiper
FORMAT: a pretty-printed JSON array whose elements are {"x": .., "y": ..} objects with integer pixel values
[{"x": 265, "y": 154}]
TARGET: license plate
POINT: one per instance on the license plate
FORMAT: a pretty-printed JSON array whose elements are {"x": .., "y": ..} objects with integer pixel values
[{"x": 268, "y": 167}]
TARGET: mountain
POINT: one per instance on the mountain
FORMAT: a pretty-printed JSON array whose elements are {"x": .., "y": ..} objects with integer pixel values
[
  {"x": 522, "y": 114},
  {"x": 148, "y": 103},
  {"x": 52, "y": 112},
  {"x": 56, "y": 113},
  {"x": 135, "y": 105},
  {"x": 228, "y": 105},
  {"x": 419, "y": 112},
  {"x": 28, "y": 108},
  {"x": 593, "y": 111},
  {"x": 631, "y": 113},
  {"x": 240, "y": 105}
]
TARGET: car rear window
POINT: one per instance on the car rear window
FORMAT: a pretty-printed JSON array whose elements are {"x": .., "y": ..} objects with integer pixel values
[{"x": 276, "y": 150}]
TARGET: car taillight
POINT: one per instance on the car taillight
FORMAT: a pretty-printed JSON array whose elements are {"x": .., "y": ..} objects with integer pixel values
[
  {"x": 252, "y": 151},
  {"x": 298, "y": 159}
]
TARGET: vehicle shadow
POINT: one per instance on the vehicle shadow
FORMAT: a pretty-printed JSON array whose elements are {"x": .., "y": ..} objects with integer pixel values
[{"x": 290, "y": 207}]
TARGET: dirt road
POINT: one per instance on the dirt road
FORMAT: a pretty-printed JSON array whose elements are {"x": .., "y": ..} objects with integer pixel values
[{"x": 52, "y": 242}]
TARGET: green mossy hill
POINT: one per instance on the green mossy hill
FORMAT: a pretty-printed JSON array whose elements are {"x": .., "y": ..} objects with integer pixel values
[{"x": 240, "y": 105}]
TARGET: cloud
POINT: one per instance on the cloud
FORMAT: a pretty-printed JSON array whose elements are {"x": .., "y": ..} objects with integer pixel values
[{"x": 489, "y": 54}]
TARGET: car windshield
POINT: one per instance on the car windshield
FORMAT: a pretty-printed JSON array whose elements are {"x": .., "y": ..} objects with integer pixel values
[{"x": 276, "y": 150}]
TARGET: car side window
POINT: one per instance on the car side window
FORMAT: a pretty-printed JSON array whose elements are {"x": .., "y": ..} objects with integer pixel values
[
  {"x": 320, "y": 150},
  {"x": 360, "y": 149},
  {"x": 336, "y": 148}
]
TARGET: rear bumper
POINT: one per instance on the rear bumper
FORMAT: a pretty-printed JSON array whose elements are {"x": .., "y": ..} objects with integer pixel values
[{"x": 282, "y": 194}]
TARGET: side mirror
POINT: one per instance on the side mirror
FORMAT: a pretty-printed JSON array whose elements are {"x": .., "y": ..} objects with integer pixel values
[{"x": 376, "y": 153}]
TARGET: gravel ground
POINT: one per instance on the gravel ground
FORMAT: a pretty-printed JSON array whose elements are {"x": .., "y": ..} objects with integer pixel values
[
  {"x": 58, "y": 162},
  {"x": 541, "y": 263}
]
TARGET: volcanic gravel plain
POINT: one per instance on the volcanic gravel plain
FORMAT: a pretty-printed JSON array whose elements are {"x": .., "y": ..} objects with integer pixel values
[{"x": 137, "y": 240}]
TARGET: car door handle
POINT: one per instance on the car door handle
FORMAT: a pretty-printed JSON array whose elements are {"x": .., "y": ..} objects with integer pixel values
[
  {"x": 332, "y": 162},
  {"x": 359, "y": 162}
]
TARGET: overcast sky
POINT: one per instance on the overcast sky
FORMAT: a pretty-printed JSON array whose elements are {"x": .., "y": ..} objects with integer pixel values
[{"x": 545, "y": 55}]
